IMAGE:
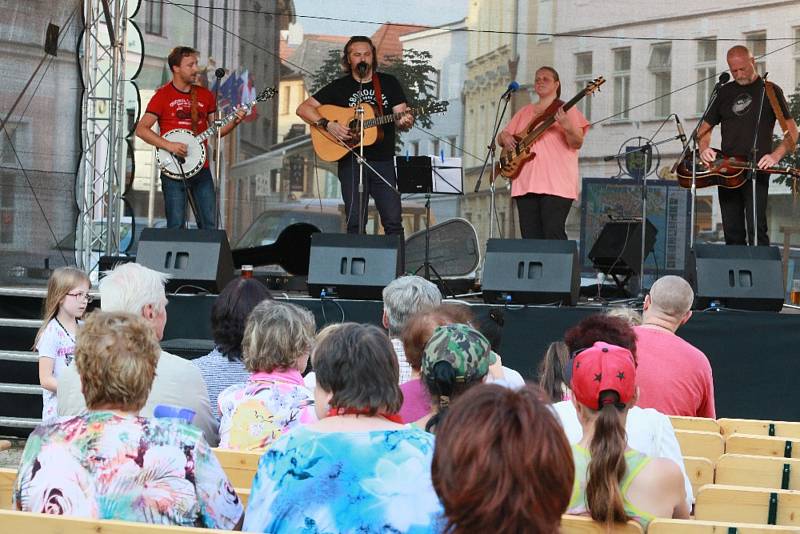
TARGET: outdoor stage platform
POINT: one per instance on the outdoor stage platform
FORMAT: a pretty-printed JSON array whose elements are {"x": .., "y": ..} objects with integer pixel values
[{"x": 753, "y": 355}]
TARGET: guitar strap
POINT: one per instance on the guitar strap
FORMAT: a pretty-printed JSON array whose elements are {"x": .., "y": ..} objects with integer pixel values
[
  {"x": 788, "y": 140},
  {"x": 376, "y": 84},
  {"x": 195, "y": 113}
]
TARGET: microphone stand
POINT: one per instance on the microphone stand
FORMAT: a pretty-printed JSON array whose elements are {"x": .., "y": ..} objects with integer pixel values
[
  {"x": 219, "y": 73},
  {"x": 360, "y": 159},
  {"x": 753, "y": 168}
]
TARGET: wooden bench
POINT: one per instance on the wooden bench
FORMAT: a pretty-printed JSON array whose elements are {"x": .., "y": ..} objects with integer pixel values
[
  {"x": 702, "y": 424},
  {"x": 691, "y": 526},
  {"x": 239, "y": 466},
  {"x": 575, "y": 524},
  {"x": 701, "y": 444},
  {"x": 13, "y": 521},
  {"x": 781, "y": 447},
  {"x": 759, "y": 427},
  {"x": 699, "y": 470},
  {"x": 7, "y": 478},
  {"x": 758, "y": 471},
  {"x": 717, "y": 502}
]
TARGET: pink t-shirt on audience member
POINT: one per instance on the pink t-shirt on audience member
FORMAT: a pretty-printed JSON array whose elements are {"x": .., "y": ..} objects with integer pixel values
[
  {"x": 673, "y": 376},
  {"x": 416, "y": 400}
]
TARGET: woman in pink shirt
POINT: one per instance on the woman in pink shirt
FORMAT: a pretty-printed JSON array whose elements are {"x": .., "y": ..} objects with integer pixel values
[{"x": 547, "y": 183}]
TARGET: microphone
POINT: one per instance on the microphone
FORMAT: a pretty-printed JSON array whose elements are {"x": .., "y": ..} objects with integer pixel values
[
  {"x": 219, "y": 73},
  {"x": 180, "y": 159},
  {"x": 723, "y": 78},
  {"x": 512, "y": 88},
  {"x": 362, "y": 68},
  {"x": 681, "y": 133}
]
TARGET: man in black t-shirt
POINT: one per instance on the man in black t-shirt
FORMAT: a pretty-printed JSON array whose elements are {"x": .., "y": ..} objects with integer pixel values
[
  {"x": 736, "y": 108},
  {"x": 360, "y": 60}
]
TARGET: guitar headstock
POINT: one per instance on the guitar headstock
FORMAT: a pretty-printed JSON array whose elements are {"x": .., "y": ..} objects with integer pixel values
[
  {"x": 594, "y": 85},
  {"x": 266, "y": 94},
  {"x": 436, "y": 107}
]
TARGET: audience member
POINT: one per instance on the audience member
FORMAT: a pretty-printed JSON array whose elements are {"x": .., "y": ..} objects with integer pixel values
[
  {"x": 67, "y": 298},
  {"x": 647, "y": 430},
  {"x": 674, "y": 377},
  {"x": 357, "y": 469},
  {"x": 551, "y": 372},
  {"x": 629, "y": 315},
  {"x": 110, "y": 463},
  {"x": 135, "y": 289},
  {"x": 276, "y": 346},
  {"x": 223, "y": 366},
  {"x": 502, "y": 463},
  {"x": 402, "y": 299},
  {"x": 456, "y": 358},
  {"x": 614, "y": 483}
]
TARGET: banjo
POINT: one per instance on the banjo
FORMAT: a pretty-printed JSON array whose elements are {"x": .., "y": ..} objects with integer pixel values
[{"x": 171, "y": 164}]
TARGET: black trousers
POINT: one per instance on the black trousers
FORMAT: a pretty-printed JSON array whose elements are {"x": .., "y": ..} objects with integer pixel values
[
  {"x": 387, "y": 200},
  {"x": 543, "y": 216},
  {"x": 736, "y": 206}
]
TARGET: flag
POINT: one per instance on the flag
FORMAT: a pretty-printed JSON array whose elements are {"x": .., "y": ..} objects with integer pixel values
[
  {"x": 230, "y": 91},
  {"x": 249, "y": 94}
]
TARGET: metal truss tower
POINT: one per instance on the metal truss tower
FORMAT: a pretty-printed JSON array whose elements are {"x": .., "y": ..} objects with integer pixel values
[{"x": 101, "y": 176}]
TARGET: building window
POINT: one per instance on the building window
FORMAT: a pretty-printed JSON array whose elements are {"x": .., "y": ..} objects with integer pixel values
[
  {"x": 544, "y": 21},
  {"x": 415, "y": 148},
  {"x": 7, "y": 211},
  {"x": 622, "y": 82},
  {"x": 437, "y": 83},
  {"x": 211, "y": 11},
  {"x": 660, "y": 67},
  {"x": 706, "y": 70},
  {"x": 452, "y": 141},
  {"x": 757, "y": 43},
  {"x": 154, "y": 16},
  {"x": 583, "y": 75},
  {"x": 284, "y": 98},
  {"x": 797, "y": 59},
  {"x": 435, "y": 147}
]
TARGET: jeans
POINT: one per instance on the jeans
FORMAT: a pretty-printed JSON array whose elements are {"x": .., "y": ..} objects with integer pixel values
[
  {"x": 201, "y": 186},
  {"x": 736, "y": 206},
  {"x": 543, "y": 216},
  {"x": 387, "y": 200}
]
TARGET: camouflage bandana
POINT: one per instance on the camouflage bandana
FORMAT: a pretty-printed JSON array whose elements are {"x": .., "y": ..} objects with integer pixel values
[{"x": 467, "y": 350}]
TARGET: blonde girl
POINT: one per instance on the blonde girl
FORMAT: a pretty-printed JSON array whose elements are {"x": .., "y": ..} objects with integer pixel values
[{"x": 67, "y": 298}]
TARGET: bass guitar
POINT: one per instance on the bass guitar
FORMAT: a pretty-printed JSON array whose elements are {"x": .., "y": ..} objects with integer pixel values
[
  {"x": 724, "y": 171},
  {"x": 193, "y": 162},
  {"x": 512, "y": 160},
  {"x": 329, "y": 148}
]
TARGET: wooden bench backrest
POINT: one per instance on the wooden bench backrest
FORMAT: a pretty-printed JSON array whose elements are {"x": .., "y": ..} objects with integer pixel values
[
  {"x": 758, "y": 471},
  {"x": 699, "y": 470},
  {"x": 691, "y": 526},
  {"x": 700, "y": 444},
  {"x": 7, "y": 478},
  {"x": 716, "y": 502},
  {"x": 12, "y": 521},
  {"x": 759, "y": 427},
  {"x": 239, "y": 466},
  {"x": 780, "y": 447},
  {"x": 702, "y": 424},
  {"x": 575, "y": 524}
]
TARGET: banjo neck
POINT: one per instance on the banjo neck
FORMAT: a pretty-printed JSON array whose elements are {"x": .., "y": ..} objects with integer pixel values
[{"x": 212, "y": 130}]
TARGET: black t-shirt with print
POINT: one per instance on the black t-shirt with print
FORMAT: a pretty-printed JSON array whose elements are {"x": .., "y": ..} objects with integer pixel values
[
  {"x": 345, "y": 92},
  {"x": 736, "y": 108}
]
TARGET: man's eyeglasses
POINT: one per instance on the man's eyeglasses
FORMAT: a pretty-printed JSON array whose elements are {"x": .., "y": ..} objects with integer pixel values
[{"x": 81, "y": 295}]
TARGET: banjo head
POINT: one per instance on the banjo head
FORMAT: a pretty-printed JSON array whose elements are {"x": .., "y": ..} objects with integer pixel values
[{"x": 194, "y": 160}]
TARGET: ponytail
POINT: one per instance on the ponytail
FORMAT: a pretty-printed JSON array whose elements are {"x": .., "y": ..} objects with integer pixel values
[
  {"x": 607, "y": 464},
  {"x": 441, "y": 385},
  {"x": 551, "y": 370}
]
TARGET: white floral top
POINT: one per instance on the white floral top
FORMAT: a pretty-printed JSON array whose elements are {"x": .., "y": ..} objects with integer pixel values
[{"x": 57, "y": 344}]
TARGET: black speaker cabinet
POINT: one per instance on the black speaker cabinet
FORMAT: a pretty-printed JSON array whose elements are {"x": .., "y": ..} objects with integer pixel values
[
  {"x": 531, "y": 271},
  {"x": 618, "y": 248},
  {"x": 740, "y": 277},
  {"x": 352, "y": 266},
  {"x": 192, "y": 258}
]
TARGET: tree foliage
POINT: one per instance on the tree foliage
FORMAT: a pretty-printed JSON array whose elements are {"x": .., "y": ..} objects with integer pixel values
[
  {"x": 413, "y": 70},
  {"x": 790, "y": 160}
]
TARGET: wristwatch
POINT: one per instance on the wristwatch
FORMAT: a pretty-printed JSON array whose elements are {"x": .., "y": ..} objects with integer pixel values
[{"x": 322, "y": 123}]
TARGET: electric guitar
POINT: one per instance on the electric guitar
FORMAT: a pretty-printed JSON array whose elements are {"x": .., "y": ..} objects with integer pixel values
[
  {"x": 328, "y": 148},
  {"x": 171, "y": 164},
  {"x": 512, "y": 159},
  {"x": 724, "y": 171}
]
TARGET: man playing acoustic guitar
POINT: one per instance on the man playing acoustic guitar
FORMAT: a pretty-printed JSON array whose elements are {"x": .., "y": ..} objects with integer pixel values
[
  {"x": 182, "y": 104},
  {"x": 736, "y": 108},
  {"x": 363, "y": 84}
]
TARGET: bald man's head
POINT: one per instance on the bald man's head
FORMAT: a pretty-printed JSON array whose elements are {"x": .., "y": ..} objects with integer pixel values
[
  {"x": 742, "y": 65},
  {"x": 671, "y": 296}
]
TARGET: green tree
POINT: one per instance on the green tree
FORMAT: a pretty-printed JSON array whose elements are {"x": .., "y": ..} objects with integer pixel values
[
  {"x": 791, "y": 160},
  {"x": 413, "y": 70}
]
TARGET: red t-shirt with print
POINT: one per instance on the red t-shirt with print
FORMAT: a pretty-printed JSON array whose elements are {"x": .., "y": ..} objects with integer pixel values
[{"x": 174, "y": 108}]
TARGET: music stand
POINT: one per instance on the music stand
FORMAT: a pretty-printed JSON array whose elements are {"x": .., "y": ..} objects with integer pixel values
[{"x": 429, "y": 175}]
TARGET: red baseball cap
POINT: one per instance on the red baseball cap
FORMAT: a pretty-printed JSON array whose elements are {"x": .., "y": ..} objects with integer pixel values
[{"x": 603, "y": 367}]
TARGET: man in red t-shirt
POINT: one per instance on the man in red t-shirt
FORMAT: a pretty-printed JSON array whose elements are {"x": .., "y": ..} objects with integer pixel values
[
  {"x": 171, "y": 107},
  {"x": 673, "y": 376}
]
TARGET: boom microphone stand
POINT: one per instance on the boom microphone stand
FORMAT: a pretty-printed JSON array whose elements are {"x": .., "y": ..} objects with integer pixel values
[
  {"x": 219, "y": 74},
  {"x": 753, "y": 160},
  {"x": 362, "y": 71}
]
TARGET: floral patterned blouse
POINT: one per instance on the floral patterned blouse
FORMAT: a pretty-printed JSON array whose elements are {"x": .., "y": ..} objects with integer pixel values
[
  {"x": 315, "y": 482},
  {"x": 256, "y": 413},
  {"x": 106, "y": 466}
]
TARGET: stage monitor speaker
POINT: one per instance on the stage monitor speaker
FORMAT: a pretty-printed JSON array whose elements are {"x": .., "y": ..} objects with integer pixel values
[
  {"x": 531, "y": 271},
  {"x": 192, "y": 258},
  {"x": 739, "y": 277},
  {"x": 618, "y": 248},
  {"x": 352, "y": 266}
]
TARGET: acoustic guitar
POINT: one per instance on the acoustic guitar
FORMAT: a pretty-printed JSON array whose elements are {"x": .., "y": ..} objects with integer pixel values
[
  {"x": 512, "y": 160},
  {"x": 725, "y": 171},
  {"x": 328, "y": 148}
]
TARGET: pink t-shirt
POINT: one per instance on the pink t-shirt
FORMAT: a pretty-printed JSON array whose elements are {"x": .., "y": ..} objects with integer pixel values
[
  {"x": 673, "y": 376},
  {"x": 554, "y": 169},
  {"x": 416, "y": 400}
]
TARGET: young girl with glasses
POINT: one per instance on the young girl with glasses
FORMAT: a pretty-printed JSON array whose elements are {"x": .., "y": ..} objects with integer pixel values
[{"x": 67, "y": 298}]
